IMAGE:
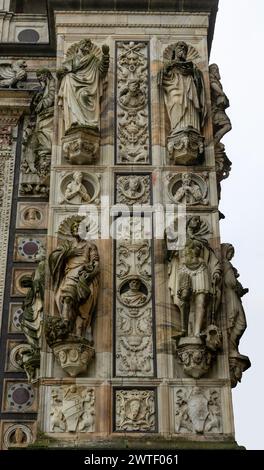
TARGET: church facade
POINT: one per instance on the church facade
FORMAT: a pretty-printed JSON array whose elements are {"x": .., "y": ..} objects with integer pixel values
[{"x": 120, "y": 308}]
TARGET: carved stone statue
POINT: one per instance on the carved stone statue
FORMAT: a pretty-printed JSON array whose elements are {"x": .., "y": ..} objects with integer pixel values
[
  {"x": 221, "y": 122},
  {"x": 12, "y": 74},
  {"x": 184, "y": 95},
  {"x": 37, "y": 141},
  {"x": 75, "y": 191},
  {"x": 81, "y": 89},
  {"x": 43, "y": 104},
  {"x": 233, "y": 292},
  {"x": 32, "y": 319},
  {"x": 74, "y": 267},
  {"x": 81, "y": 86},
  {"x": 194, "y": 276}
]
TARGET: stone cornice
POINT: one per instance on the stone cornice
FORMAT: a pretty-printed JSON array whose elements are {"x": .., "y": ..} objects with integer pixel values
[{"x": 13, "y": 103}]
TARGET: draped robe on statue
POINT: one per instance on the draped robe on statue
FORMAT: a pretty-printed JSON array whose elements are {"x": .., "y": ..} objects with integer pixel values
[
  {"x": 75, "y": 275},
  {"x": 80, "y": 92},
  {"x": 184, "y": 96}
]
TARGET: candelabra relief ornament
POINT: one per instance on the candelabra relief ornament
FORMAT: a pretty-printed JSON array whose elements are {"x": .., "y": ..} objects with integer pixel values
[
  {"x": 197, "y": 411},
  {"x": 184, "y": 95},
  {"x": 132, "y": 103},
  {"x": 37, "y": 142},
  {"x": 135, "y": 410},
  {"x": 82, "y": 81},
  {"x": 194, "y": 283},
  {"x": 74, "y": 268},
  {"x": 134, "y": 336},
  {"x": 72, "y": 409},
  {"x": 233, "y": 291}
]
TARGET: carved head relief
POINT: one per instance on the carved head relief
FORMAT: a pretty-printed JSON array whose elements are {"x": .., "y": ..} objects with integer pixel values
[{"x": 134, "y": 292}]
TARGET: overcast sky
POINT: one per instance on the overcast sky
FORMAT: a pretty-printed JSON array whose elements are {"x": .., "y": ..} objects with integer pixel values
[{"x": 238, "y": 50}]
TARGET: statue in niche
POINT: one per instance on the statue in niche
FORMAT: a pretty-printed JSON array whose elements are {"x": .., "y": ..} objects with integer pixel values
[
  {"x": 221, "y": 122},
  {"x": 76, "y": 192},
  {"x": 233, "y": 292},
  {"x": 194, "y": 283},
  {"x": 43, "y": 105},
  {"x": 194, "y": 276},
  {"x": 133, "y": 296},
  {"x": 12, "y": 74},
  {"x": 189, "y": 192},
  {"x": 132, "y": 95},
  {"x": 31, "y": 319},
  {"x": 74, "y": 268},
  {"x": 184, "y": 91},
  {"x": 81, "y": 87}
]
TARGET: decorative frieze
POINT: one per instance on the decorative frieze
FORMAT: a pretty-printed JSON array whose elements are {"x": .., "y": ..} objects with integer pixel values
[{"x": 132, "y": 103}]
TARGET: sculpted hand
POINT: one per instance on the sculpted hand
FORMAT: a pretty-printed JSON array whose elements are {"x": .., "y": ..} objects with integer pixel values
[{"x": 105, "y": 49}]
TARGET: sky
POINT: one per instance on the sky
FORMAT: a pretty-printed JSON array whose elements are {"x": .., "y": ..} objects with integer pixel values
[{"x": 238, "y": 50}]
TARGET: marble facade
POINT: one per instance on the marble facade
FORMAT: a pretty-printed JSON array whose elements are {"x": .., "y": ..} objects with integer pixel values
[{"x": 137, "y": 359}]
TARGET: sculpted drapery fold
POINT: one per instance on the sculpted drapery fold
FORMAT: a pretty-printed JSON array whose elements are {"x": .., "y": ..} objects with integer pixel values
[{"x": 82, "y": 84}]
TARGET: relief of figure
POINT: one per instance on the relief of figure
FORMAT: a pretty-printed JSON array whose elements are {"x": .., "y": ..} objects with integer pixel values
[
  {"x": 233, "y": 292},
  {"x": 81, "y": 87},
  {"x": 74, "y": 268},
  {"x": 189, "y": 192},
  {"x": 76, "y": 192},
  {"x": 132, "y": 95},
  {"x": 134, "y": 187},
  {"x": 133, "y": 296},
  {"x": 194, "y": 275},
  {"x": 221, "y": 122},
  {"x": 184, "y": 91},
  {"x": 12, "y": 74}
]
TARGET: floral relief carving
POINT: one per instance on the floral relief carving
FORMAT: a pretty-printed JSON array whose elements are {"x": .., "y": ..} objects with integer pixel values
[
  {"x": 132, "y": 103},
  {"x": 134, "y": 333},
  {"x": 134, "y": 349}
]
